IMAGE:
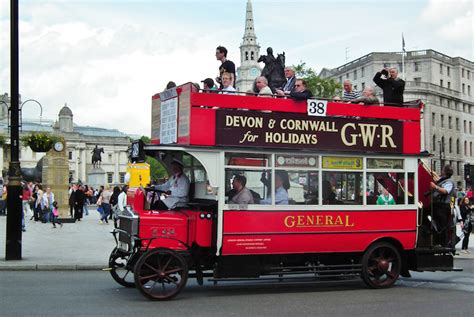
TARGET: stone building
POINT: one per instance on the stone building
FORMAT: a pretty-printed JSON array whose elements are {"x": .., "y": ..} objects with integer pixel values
[
  {"x": 445, "y": 85},
  {"x": 249, "y": 54},
  {"x": 80, "y": 140}
]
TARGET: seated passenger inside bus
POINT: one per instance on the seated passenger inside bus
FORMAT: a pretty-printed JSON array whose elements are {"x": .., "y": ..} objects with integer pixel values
[
  {"x": 385, "y": 198},
  {"x": 176, "y": 189},
  {"x": 282, "y": 184},
  {"x": 241, "y": 194}
]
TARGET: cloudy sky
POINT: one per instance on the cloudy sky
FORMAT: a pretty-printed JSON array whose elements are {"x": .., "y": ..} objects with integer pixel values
[{"x": 106, "y": 58}]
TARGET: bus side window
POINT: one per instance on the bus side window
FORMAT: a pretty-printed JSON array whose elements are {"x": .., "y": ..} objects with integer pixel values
[
  {"x": 342, "y": 188},
  {"x": 303, "y": 188},
  {"x": 385, "y": 187}
]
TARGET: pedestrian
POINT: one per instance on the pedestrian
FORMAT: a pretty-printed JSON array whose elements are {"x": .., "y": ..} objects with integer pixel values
[
  {"x": 466, "y": 215},
  {"x": 72, "y": 199},
  {"x": 87, "y": 199},
  {"x": 79, "y": 203},
  {"x": 48, "y": 204},
  {"x": 113, "y": 201},
  {"x": 55, "y": 215},
  {"x": 105, "y": 204},
  {"x": 34, "y": 196}
]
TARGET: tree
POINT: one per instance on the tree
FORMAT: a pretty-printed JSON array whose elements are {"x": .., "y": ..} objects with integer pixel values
[
  {"x": 157, "y": 170},
  {"x": 320, "y": 87}
]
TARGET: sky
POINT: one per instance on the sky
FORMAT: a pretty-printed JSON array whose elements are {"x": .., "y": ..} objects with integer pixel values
[{"x": 106, "y": 58}]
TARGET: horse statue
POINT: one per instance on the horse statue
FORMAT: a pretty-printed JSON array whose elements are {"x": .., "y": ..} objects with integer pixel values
[
  {"x": 96, "y": 156},
  {"x": 274, "y": 69}
]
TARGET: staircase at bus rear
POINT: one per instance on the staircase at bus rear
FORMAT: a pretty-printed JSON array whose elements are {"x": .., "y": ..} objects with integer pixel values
[{"x": 432, "y": 259}]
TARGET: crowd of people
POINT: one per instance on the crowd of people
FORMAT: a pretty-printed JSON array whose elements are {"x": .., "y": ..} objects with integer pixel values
[
  {"x": 39, "y": 204},
  {"x": 297, "y": 88}
]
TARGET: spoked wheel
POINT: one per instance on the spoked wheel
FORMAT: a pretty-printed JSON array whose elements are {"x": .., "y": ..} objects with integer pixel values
[
  {"x": 160, "y": 274},
  {"x": 381, "y": 265},
  {"x": 120, "y": 269}
]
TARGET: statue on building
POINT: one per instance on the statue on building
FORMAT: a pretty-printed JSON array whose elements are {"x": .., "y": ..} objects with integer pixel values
[
  {"x": 96, "y": 156},
  {"x": 274, "y": 69}
]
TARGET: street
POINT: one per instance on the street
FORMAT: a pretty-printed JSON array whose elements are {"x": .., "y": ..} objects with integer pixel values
[{"x": 94, "y": 293}]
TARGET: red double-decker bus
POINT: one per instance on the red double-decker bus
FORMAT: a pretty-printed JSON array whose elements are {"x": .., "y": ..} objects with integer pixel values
[{"x": 336, "y": 191}]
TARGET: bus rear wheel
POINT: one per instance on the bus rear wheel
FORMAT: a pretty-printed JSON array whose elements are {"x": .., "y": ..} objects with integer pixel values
[
  {"x": 381, "y": 265},
  {"x": 160, "y": 274}
]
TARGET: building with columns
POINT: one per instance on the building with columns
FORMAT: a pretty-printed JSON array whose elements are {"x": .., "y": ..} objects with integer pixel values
[
  {"x": 445, "y": 85},
  {"x": 80, "y": 140},
  {"x": 249, "y": 54}
]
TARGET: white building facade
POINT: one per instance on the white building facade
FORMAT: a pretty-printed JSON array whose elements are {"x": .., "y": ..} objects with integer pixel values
[
  {"x": 80, "y": 140},
  {"x": 445, "y": 85}
]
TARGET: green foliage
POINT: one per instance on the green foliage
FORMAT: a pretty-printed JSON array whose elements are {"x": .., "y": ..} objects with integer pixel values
[
  {"x": 145, "y": 139},
  {"x": 320, "y": 87},
  {"x": 40, "y": 141},
  {"x": 156, "y": 168}
]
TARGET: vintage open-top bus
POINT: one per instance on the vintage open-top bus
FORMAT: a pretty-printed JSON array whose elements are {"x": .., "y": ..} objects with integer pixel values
[{"x": 336, "y": 159}]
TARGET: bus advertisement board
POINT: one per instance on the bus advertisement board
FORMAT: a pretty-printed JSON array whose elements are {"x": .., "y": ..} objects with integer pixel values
[{"x": 293, "y": 130}]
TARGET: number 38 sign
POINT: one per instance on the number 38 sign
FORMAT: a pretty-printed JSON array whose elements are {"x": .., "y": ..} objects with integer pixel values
[{"x": 317, "y": 107}]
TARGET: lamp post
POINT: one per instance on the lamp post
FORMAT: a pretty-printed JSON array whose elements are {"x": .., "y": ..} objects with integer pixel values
[{"x": 14, "y": 206}]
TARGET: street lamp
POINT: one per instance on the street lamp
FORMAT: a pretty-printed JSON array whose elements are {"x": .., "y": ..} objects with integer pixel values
[{"x": 14, "y": 206}]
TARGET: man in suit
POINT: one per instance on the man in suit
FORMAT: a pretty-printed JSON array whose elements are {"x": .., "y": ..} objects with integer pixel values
[
  {"x": 290, "y": 82},
  {"x": 301, "y": 92}
]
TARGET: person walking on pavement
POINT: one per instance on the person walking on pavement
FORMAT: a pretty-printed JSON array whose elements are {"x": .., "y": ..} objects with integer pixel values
[
  {"x": 114, "y": 201},
  {"x": 79, "y": 203},
  {"x": 104, "y": 198},
  {"x": 72, "y": 199}
]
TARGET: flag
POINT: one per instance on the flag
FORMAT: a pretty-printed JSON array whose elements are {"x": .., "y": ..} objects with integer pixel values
[{"x": 403, "y": 43}]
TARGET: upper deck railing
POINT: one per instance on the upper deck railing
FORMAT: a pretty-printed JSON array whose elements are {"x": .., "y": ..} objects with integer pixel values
[{"x": 188, "y": 116}]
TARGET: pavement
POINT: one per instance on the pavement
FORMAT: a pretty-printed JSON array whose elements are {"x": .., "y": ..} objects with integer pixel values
[{"x": 84, "y": 245}]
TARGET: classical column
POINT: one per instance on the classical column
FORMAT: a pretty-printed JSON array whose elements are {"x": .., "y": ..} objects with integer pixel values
[
  {"x": 116, "y": 165},
  {"x": 83, "y": 164}
]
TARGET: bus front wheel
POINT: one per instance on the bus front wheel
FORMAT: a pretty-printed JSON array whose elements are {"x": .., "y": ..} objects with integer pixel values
[
  {"x": 381, "y": 265},
  {"x": 160, "y": 274}
]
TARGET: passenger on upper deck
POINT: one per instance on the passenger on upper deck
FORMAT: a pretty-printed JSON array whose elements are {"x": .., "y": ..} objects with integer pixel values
[
  {"x": 368, "y": 97},
  {"x": 349, "y": 93},
  {"x": 242, "y": 194},
  {"x": 392, "y": 86},
  {"x": 208, "y": 84},
  {"x": 262, "y": 85},
  {"x": 301, "y": 92},
  {"x": 282, "y": 184},
  {"x": 176, "y": 188},
  {"x": 227, "y": 66},
  {"x": 290, "y": 82},
  {"x": 227, "y": 84}
]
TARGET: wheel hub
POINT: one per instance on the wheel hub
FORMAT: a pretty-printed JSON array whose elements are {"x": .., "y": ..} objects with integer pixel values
[{"x": 383, "y": 265}]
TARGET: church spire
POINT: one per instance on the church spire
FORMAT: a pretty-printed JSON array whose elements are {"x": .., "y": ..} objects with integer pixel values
[
  {"x": 249, "y": 53},
  {"x": 249, "y": 33}
]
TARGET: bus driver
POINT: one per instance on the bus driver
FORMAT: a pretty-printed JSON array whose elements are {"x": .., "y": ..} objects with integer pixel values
[{"x": 176, "y": 188}]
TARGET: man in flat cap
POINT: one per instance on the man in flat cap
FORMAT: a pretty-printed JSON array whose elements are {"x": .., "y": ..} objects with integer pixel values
[
  {"x": 208, "y": 85},
  {"x": 176, "y": 188}
]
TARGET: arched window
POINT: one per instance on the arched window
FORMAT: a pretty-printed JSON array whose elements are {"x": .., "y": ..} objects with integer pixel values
[
  {"x": 252, "y": 55},
  {"x": 246, "y": 56},
  {"x": 458, "y": 150}
]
